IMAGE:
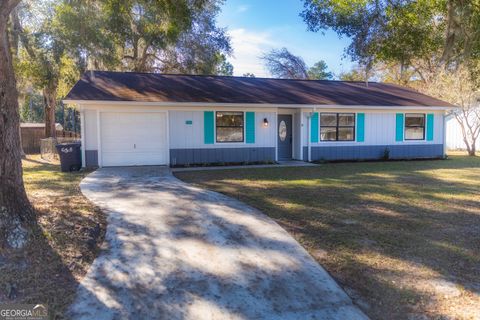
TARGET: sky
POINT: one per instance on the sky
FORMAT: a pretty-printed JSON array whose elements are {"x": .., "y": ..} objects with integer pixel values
[{"x": 257, "y": 26}]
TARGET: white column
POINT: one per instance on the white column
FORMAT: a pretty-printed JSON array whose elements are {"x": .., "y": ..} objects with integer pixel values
[
  {"x": 99, "y": 140},
  {"x": 444, "y": 131},
  {"x": 82, "y": 136},
  {"x": 309, "y": 145}
]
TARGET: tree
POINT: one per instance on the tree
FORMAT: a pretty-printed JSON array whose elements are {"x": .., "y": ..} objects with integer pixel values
[
  {"x": 144, "y": 35},
  {"x": 32, "y": 109},
  {"x": 143, "y": 28},
  {"x": 16, "y": 215},
  {"x": 43, "y": 58},
  {"x": 356, "y": 74},
  {"x": 319, "y": 71},
  {"x": 456, "y": 86},
  {"x": 83, "y": 28},
  {"x": 224, "y": 67},
  {"x": 202, "y": 49},
  {"x": 285, "y": 65},
  {"x": 414, "y": 43},
  {"x": 400, "y": 31}
]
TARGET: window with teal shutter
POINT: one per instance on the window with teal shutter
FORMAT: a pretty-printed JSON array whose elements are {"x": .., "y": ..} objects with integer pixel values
[
  {"x": 360, "y": 127},
  {"x": 430, "y": 118},
  {"x": 399, "y": 127},
  {"x": 208, "y": 127},
  {"x": 250, "y": 127},
  {"x": 314, "y": 128}
]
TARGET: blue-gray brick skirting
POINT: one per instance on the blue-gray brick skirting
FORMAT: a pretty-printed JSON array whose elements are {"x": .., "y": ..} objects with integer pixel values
[
  {"x": 403, "y": 151},
  {"x": 180, "y": 157},
  {"x": 91, "y": 158}
]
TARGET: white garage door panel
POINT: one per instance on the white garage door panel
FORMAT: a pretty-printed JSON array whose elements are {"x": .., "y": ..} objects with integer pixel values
[{"x": 133, "y": 139}]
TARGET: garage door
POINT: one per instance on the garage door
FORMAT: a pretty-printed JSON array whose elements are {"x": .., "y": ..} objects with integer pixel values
[{"x": 130, "y": 139}]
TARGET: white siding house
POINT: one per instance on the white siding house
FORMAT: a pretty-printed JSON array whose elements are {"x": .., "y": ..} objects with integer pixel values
[{"x": 150, "y": 119}]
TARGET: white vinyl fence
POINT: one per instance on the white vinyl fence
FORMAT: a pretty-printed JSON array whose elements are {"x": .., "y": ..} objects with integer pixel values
[{"x": 455, "y": 136}]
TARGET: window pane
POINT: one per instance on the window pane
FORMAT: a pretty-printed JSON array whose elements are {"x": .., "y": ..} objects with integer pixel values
[
  {"x": 346, "y": 134},
  {"x": 346, "y": 119},
  {"x": 414, "y": 119},
  {"x": 328, "y": 134},
  {"x": 328, "y": 119},
  {"x": 229, "y": 119},
  {"x": 414, "y": 133},
  {"x": 232, "y": 134},
  {"x": 282, "y": 130}
]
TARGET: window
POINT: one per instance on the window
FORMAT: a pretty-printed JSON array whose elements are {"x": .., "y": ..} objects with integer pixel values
[
  {"x": 414, "y": 126},
  {"x": 337, "y": 127},
  {"x": 229, "y": 126}
]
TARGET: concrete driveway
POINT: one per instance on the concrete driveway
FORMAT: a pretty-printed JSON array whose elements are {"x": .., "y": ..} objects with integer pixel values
[{"x": 174, "y": 251}]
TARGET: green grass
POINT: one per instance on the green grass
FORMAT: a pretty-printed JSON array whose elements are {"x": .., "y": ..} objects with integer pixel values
[{"x": 403, "y": 238}]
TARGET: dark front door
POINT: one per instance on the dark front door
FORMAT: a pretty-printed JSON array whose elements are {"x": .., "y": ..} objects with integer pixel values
[{"x": 284, "y": 137}]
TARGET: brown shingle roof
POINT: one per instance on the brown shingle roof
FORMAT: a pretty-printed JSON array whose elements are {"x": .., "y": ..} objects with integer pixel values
[{"x": 153, "y": 87}]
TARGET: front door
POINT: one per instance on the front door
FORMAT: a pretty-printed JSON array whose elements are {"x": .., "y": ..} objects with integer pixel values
[{"x": 284, "y": 137}]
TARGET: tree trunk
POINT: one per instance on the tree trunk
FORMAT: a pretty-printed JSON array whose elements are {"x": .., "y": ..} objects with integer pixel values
[
  {"x": 50, "y": 101},
  {"x": 16, "y": 215},
  {"x": 466, "y": 131},
  {"x": 473, "y": 150}
]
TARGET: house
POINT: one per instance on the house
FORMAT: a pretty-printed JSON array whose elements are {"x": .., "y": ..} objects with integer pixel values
[
  {"x": 454, "y": 135},
  {"x": 165, "y": 119}
]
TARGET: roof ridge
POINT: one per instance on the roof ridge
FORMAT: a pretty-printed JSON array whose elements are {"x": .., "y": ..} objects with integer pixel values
[{"x": 235, "y": 77}]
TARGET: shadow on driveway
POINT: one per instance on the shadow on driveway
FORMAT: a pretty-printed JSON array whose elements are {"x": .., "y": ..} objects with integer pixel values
[{"x": 174, "y": 251}]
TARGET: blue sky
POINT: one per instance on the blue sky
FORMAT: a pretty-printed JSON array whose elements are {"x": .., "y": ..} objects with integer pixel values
[{"x": 257, "y": 26}]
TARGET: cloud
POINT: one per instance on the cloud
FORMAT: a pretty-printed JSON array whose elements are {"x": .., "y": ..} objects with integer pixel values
[
  {"x": 248, "y": 46},
  {"x": 242, "y": 8}
]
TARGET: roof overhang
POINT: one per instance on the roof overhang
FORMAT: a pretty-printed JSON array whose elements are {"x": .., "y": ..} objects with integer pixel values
[{"x": 249, "y": 105}]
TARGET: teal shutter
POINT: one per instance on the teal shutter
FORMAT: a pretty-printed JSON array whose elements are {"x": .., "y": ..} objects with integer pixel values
[
  {"x": 430, "y": 118},
  {"x": 208, "y": 127},
  {"x": 399, "y": 127},
  {"x": 360, "y": 127},
  {"x": 314, "y": 128},
  {"x": 250, "y": 127}
]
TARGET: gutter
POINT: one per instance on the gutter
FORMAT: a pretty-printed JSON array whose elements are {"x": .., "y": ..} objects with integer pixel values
[{"x": 250, "y": 105}]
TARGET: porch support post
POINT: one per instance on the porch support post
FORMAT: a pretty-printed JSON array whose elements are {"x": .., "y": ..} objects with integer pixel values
[
  {"x": 309, "y": 136},
  {"x": 82, "y": 135},
  {"x": 444, "y": 131}
]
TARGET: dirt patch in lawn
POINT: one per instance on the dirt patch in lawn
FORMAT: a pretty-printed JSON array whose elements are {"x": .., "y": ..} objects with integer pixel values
[
  {"x": 402, "y": 238},
  {"x": 70, "y": 231}
]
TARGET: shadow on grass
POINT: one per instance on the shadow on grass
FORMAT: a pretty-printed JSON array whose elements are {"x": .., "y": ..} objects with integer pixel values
[
  {"x": 405, "y": 236},
  {"x": 37, "y": 275},
  {"x": 177, "y": 252},
  {"x": 63, "y": 246}
]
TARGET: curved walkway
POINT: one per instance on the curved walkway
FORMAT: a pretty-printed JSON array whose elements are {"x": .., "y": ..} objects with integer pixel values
[{"x": 174, "y": 251}]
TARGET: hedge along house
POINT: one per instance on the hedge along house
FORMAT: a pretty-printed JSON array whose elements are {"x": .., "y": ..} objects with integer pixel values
[{"x": 156, "y": 119}]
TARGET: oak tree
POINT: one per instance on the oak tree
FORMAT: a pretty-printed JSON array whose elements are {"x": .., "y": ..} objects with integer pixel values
[{"x": 16, "y": 215}]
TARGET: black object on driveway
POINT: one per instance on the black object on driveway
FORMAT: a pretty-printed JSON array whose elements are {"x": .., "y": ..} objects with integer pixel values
[{"x": 70, "y": 156}]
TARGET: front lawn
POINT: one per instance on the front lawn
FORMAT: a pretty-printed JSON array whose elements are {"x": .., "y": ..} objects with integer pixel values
[
  {"x": 402, "y": 238},
  {"x": 71, "y": 228}
]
